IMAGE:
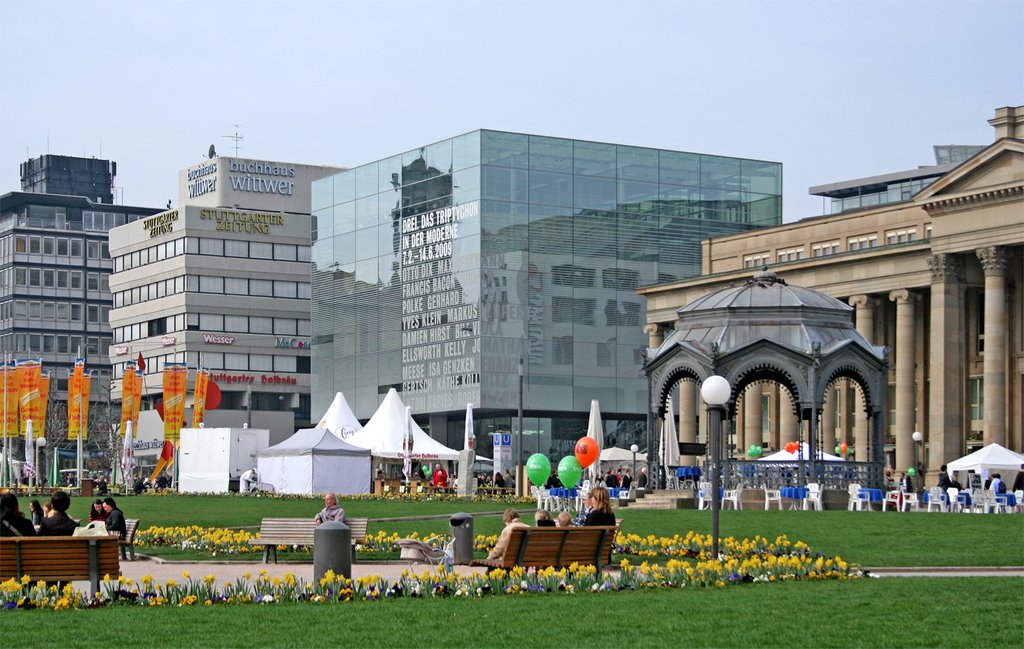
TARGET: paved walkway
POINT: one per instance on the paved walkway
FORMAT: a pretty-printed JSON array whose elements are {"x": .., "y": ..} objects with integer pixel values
[{"x": 948, "y": 571}]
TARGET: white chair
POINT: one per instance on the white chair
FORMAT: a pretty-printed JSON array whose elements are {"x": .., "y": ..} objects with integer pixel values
[
  {"x": 894, "y": 497},
  {"x": 953, "y": 500},
  {"x": 772, "y": 496},
  {"x": 417, "y": 551},
  {"x": 910, "y": 500},
  {"x": 936, "y": 499},
  {"x": 813, "y": 498},
  {"x": 857, "y": 499},
  {"x": 1019, "y": 495},
  {"x": 732, "y": 496},
  {"x": 704, "y": 495}
]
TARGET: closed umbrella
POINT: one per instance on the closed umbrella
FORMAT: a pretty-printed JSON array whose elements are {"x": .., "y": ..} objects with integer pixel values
[
  {"x": 669, "y": 439},
  {"x": 469, "y": 434},
  {"x": 128, "y": 455},
  {"x": 407, "y": 446},
  {"x": 595, "y": 431}
]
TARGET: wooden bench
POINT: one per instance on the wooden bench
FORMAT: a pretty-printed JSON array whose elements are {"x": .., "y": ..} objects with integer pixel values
[
  {"x": 299, "y": 531},
  {"x": 60, "y": 558},
  {"x": 127, "y": 544},
  {"x": 541, "y": 547}
]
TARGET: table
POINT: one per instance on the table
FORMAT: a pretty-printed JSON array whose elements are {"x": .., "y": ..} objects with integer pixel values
[
  {"x": 796, "y": 494},
  {"x": 871, "y": 495},
  {"x": 689, "y": 474},
  {"x": 1010, "y": 500}
]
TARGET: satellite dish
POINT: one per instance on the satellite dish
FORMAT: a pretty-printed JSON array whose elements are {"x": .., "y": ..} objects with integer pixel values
[{"x": 212, "y": 152}]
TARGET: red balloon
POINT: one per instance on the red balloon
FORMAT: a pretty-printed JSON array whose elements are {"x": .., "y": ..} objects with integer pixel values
[
  {"x": 586, "y": 451},
  {"x": 843, "y": 448},
  {"x": 212, "y": 396},
  {"x": 792, "y": 447}
]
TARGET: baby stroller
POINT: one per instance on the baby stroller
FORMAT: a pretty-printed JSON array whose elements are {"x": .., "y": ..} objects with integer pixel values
[{"x": 417, "y": 551}]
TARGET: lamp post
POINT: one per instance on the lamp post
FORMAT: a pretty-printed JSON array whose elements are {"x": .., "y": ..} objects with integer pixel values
[
  {"x": 39, "y": 443},
  {"x": 633, "y": 448},
  {"x": 918, "y": 454},
  {"x": 715, "y": 392}
]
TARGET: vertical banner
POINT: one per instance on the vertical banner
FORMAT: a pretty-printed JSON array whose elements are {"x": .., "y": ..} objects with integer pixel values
[
  {"x": 199, "y": 399},
  {"x": 127, "y": 396},
  {"x": 12, "y": 394},
  {"x": 75, "y": 399},
  {"x": 84, "y": 398},
  {"x": 175, "y": 382},
  {"x": 31, "y": 376},
  {"x": 39, "y": 405},
  {"x": 137, "y": 404}
]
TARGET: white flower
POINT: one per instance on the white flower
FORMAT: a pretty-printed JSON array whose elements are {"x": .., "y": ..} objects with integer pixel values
[{"x": 267, "y": 599}]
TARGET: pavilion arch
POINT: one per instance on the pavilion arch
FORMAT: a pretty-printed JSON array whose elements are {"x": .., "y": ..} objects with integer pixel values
[{"x": 766, "y": 330}]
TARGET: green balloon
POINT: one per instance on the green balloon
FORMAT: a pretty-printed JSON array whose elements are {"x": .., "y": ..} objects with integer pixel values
[
  {"x": 911, "y": 472},
  {"x": 760, "y": 450},
  {"x": 426, "y": 470},
  {"x": 839, "y": 451},
  {"x": 538, "y": 468},
  {"x": 569, "y": 471}
]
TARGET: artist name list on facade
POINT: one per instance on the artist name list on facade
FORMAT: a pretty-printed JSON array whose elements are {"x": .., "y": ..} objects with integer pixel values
[{"x": 440, "y": 346}]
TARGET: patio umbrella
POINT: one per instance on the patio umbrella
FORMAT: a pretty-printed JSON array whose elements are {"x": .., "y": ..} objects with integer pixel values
[
  {"x": 407, "y": 462},
  {"x": 128, "y": 455},
  {"x": 669, "y": 438},
  {"x": 595, "y": 431},
  {"x": 468, "y": 444}
]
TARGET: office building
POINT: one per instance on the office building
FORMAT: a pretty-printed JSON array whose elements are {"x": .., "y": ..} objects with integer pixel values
[{"x": 437, "y": 270}]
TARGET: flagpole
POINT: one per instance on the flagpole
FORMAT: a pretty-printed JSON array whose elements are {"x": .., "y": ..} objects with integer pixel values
[{"x": 5, "y": 476}]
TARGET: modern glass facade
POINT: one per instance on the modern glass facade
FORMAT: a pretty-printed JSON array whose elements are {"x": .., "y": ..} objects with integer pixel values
[{"x": 437, "y": 270}]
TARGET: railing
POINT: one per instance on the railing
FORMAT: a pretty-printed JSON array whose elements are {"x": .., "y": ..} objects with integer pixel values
[{"x": 774, "y": 475}]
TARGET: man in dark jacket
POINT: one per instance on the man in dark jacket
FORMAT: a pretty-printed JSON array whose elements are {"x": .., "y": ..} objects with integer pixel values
[{"x": 59, "y": 523}]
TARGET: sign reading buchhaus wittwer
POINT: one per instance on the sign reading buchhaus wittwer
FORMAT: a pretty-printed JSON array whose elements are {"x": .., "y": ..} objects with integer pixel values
[{"x": 435, "y": 271}]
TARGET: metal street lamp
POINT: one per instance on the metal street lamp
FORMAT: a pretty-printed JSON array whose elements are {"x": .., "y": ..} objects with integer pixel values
[
  {"x": 715, "y": 391},
  {"x": 40, "y": 442},
  {"x": 919, "y": 454}
]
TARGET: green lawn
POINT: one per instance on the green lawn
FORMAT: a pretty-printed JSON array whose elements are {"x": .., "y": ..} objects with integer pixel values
[
  {"x": 903, "y": 613},
  {"x": 866, "y": 538}
]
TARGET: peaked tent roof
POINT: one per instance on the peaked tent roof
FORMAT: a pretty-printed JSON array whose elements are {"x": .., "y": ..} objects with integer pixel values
[
  {"x": 384, "y": 434},
  {"x": 616, "y": 454},
  {"x": 802, "y": 454},
  {"x": 339, "y": 418},
  {"x": 992, "y": 457},
  {"x": 313, "y": 440}
]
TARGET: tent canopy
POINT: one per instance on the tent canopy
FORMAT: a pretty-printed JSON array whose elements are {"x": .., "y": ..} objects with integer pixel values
[
  {"x": 313, "y": 460},
  {"x": 992, "y": 458},
  {"x": 384, "y": 435},
  {"x": 803, "y": 454},
  {"x": 339, "y": 418},
  {"x": 616, "y": 454}
]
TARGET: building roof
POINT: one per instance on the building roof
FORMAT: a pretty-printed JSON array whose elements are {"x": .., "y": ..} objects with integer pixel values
[{"x": 876, "y": 183}]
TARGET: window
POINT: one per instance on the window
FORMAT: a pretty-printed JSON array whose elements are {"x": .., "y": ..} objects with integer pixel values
[
  {"x": 900, "y": 236},
  {"x": 93, "y": 311},
  {"x": 824, "y": 249},
  {"x": 261, "y": 325},
  {"x": 236, "y": 249},
  {"x": 261, "y": 362},
  {"x": 620, "y": 279},
  {"x": 976, "y": 387},
  {"x": 211, "y": 322},
  {"x": 261, "y": 287},
  {"x": 236, "y": 286},
  {"x": 213, "y": 247},
  {"x": 284, "y": 289},
  {"x": 756, "y": 261},
  {"x": 284, "y": 252},
  {"x": 211, "y": 284},
  {"x": 236, "y": 362},
  {"x": 261, "y": 250},
  {"x": 570, "y": 275},
  {"x": 862, "y": 243},
  {"x": 561, "y": 350},
  {"x": 76, "y": 247},
  {"x": 236, "y": 323},
  {"x": 284, "y": 326},
  {"x": 286, "y": 363},
  {"x": 793, "y": 254},
  {"x": 94, "y": 281}
]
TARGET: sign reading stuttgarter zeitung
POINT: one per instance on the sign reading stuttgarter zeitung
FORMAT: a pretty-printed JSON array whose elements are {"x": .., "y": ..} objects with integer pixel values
[{"x": 440, "y": 348}]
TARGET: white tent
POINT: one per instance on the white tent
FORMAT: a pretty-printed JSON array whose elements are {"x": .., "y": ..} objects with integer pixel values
[
  {"x": 339, "y": 418},
  {"x": 803, "y": 454},
  {"x": 992, "y": 458},
  {"x": 313, "y": 460},
  {"x": 385, "y": 433},
  {"x": 616, "y": 454}
]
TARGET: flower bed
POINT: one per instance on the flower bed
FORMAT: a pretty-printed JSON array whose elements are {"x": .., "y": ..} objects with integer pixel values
[{"x": 745, "y": 561}]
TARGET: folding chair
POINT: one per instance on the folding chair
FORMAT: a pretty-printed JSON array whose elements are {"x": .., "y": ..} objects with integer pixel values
[{"x": 417, "y": 551}]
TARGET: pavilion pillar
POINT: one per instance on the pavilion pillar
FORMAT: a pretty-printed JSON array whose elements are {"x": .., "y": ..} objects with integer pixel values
[
  {"x": 993, "y": 261},
  {"x": 903, "y": 426},
  {"x": 865, "y": 323}
]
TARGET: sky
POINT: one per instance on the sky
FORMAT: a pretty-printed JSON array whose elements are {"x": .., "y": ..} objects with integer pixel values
[{"x": 834, "y": 90}]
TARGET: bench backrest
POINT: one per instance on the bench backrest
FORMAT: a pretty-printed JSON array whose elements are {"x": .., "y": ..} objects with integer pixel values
[
  {"x": 299, "y": 531},
  {"x": 59, "y": 558},
  {"x": 131, "y": 525},
  {"x": 559, "y": 546}
]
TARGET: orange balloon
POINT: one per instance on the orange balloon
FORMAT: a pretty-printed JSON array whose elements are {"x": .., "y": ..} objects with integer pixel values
[{"x": 586, "y": 451}]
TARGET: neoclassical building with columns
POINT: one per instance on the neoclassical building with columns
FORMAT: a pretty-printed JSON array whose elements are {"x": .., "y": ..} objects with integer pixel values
[{"x": 937, "y": 279}]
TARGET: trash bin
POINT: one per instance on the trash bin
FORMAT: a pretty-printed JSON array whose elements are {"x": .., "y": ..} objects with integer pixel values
[
  {"x": 332, "y": 550},
  {"x": 462, "y": 539},
  {"x": 87, "y": 486}
]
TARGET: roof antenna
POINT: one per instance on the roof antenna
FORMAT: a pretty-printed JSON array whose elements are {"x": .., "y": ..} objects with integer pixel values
[{"x": 236, "y": 137}]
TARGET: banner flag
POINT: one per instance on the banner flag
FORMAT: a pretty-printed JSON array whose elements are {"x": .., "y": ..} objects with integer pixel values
[
  {"x": 137, "y": 404},
  {"x": 31, "y": 377},
  {"x": 75, "y": 399},
  {"x": 84, "y": 398},
  {"x": 175, "y": 382},
  {"x": 199, "y": 398},
  {"x": 39, "y": 406},
  {"x": 127, "y": 396},
  {"x": 12, "y": 393}
]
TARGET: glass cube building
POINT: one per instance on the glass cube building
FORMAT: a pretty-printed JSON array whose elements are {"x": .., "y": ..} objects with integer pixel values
[{"x": 438, "y": 271}]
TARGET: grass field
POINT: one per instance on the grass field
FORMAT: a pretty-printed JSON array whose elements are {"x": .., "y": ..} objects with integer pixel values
[
  {"x": 903, "y": 613},
  {"x": 867, "y": 538}
]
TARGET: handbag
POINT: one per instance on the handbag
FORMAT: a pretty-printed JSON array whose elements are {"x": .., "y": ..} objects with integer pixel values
[{"x": 94, "y": 528}]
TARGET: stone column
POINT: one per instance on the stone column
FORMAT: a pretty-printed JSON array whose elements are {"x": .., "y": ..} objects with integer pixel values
[
  {"x": 903, "y": 427},
  {"x": 655, "y": 335},
  {"x": 945, "y": 363},
  {"x": 751, "y": 418},
  {"x": 688, "y": 418},
  {"x": 787, "y": 419},
  {"x": 828, "y": 420},
  {"x": 865, "y": 306},
  {"x": 993, "y": 261}
]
